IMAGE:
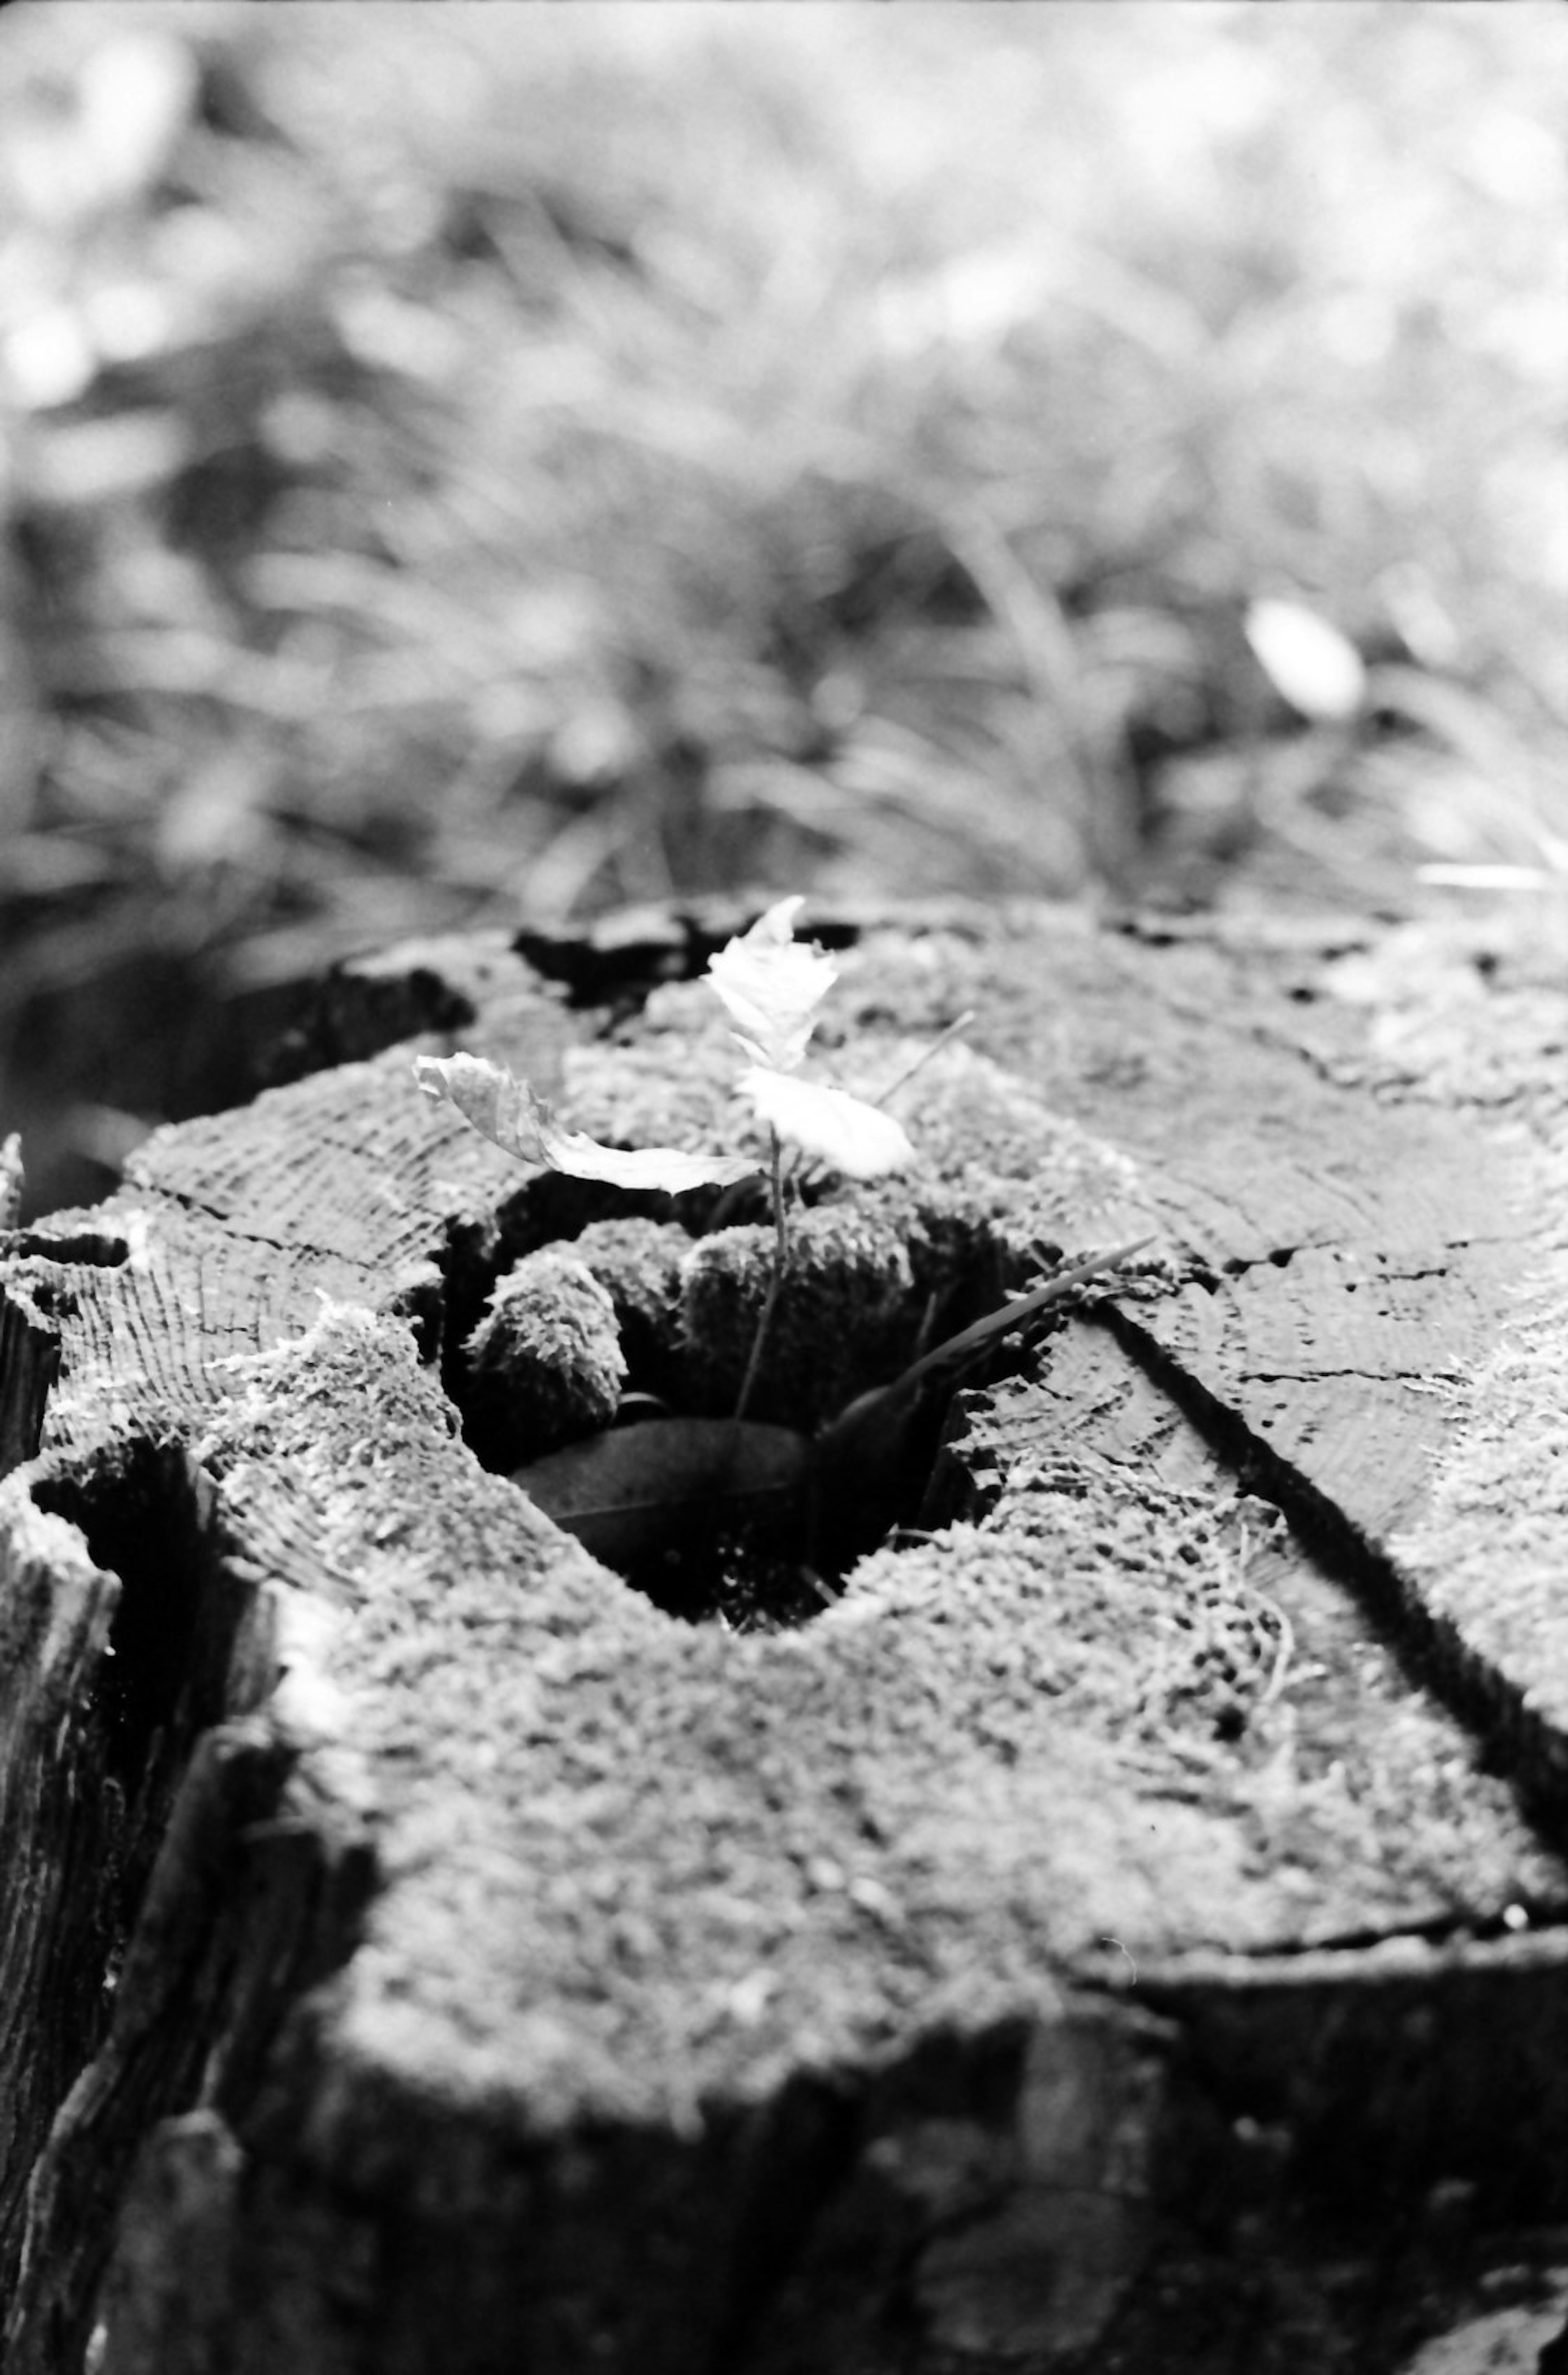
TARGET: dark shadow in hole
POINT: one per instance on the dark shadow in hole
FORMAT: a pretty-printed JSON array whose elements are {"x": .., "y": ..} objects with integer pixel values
[
  {"x": 552, "y": 1209},
  {"x": 749, "y": 1579}
]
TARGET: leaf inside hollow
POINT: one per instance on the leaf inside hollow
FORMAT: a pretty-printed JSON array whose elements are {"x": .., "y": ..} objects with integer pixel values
[{"x": 634, "y": 1492}]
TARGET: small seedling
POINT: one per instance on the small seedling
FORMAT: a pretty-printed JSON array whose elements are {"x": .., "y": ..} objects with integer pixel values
[
  {"x": 772, "y": 988},
  {"x": 628, "y": 1495}
]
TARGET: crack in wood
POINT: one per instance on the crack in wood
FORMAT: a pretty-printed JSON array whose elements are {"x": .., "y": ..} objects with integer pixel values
[
  {"x": 1310, "y": 1371},
  {"x": 1439, "y": 1656}
]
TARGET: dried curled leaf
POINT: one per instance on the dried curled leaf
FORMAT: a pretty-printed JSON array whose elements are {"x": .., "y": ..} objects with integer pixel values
[
  {"x": 506, "y": 1111},
  {"x": 857, "y": 1139},
  {"x": 628, "y": 1493},
  {"x": 771, "y": 987}
]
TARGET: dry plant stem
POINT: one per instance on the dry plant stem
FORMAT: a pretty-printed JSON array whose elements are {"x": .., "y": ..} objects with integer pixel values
[
  {"x": 781, "y": 1255},
  {"x": 805, "y": 1167},
  {"x": 943, "y": 1039}
]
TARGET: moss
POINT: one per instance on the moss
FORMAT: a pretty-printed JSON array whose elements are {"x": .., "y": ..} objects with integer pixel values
[
  {"x": 847, "y": 1317},
  {"x": 545, "y": 1362},
  {"x": 1009, "y": 1163},
  {"x": 638, "y": 1262},
  {"x": 663, "y": 1089}
]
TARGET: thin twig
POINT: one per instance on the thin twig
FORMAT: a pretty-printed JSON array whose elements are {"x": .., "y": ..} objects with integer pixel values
[{"x": 943, "y": 1039}]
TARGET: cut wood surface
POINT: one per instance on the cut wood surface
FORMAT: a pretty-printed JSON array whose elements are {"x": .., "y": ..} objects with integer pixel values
[{"x": 1124, "y": 1927}]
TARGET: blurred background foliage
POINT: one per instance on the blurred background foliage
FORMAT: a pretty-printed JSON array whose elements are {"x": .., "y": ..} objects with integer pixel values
[{"x": 491, "y": 464}]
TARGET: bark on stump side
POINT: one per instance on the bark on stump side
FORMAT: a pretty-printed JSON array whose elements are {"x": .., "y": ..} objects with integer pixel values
[{"x": 1125, "y": 1930}]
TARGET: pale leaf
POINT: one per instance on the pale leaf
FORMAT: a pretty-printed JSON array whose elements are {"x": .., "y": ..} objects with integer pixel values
[
  {"x": 857, "y": 1139},
  {"x": 506, "y": 1111},
  {"x": 771, "y": 987}
]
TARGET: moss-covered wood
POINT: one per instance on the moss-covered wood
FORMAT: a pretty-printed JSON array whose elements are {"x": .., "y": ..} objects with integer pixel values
[{"x": 1141, "y": 1890}]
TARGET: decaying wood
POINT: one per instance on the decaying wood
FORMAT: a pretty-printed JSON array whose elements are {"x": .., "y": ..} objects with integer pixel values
[{"x": 1142, "y": 1891}]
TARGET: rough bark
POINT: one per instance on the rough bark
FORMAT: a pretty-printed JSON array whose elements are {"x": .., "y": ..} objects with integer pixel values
[{"x": 1125, "y": 1929}]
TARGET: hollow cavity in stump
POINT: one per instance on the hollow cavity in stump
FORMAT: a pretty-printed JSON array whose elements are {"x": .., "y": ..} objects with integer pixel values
[{"x": 604, "y": 1368}]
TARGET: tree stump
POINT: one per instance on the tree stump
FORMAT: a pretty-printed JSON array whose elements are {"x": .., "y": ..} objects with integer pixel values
[{"x": 1123, "y": 1928}]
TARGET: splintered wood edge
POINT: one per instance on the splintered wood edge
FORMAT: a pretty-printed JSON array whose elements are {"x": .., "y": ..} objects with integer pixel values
[{"x": 56, "y": 1610}]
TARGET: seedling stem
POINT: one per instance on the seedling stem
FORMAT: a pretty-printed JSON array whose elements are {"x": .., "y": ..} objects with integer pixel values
[{"x": 781, "y": 1255}]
